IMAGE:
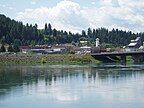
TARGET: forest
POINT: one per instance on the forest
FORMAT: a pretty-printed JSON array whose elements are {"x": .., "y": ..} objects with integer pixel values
[{"x": 16, "y": 33}]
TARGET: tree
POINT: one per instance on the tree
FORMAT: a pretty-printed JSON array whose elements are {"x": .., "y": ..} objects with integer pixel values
[
  {"x": 46, "y": 29},
  {"x": 16, "y": 48},
  {"x": 10, "y": 48},
  {"x": 17, "y": 42},
  {"x": 2, "y": 41},
  {"x": 89, "y": 33},
  {"x": 83, "y": 33},
  {"x": 94, "y": 34},
  {"x": 33, "y": 43},
  {"x": 54, "y": 32},
  {"x": 15, "y": 33},
  {"x": 2, "y": 49},
  {"x": 49, "y": 29}
]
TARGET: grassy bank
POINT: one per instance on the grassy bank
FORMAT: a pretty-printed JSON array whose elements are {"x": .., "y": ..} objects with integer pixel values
[{"x": 46, "y": 59}]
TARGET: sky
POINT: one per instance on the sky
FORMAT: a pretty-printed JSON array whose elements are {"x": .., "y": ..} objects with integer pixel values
[{"x": 77, "y": 15}]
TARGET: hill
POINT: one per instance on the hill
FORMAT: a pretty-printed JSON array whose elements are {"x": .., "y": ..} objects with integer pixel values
[{"x": 14, "y": 32}]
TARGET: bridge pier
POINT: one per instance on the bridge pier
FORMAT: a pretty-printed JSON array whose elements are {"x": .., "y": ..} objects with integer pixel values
[
  {"x": 138, "y": 59},
  {"x": 123, "y": 59}
]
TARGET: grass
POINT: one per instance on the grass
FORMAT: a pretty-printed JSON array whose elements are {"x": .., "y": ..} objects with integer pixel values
[
  {"x": 51, "y": 59},
  {"x": 129, "y": 60},
  {"x": 46, "y": 59}
]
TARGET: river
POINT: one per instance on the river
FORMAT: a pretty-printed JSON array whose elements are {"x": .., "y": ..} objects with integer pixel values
[{"x": 72, "y": 86}]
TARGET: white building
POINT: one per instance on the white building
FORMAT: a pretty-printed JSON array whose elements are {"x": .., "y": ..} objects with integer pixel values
[
  {"x": 97, "y": 42},
  {"x": 134, "y": 45}
]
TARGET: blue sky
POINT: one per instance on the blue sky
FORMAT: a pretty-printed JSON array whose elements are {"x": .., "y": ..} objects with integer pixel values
[
  {"x": 11, "y": 7},
  {"x": 77, "y": 15}
]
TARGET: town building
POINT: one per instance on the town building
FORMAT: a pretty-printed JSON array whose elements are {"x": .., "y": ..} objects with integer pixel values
[
  {"x": 44, "y": 49},
  {"x": 134, "y": 44}
]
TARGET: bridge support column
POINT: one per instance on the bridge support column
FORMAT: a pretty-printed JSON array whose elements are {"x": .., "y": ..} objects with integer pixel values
[
  {"x": 138, "y": 59},
  {"x": 123, "y": 59}
]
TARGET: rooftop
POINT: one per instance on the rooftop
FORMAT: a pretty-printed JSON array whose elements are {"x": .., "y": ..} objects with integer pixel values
[{"x": 132, "y": 44}]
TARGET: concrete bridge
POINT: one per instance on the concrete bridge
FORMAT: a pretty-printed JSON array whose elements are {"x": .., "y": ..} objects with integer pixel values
[{"x": 137, "y": 56}]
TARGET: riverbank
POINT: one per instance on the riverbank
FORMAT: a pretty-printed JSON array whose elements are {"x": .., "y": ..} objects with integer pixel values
[{"x": 46, "y": 59}]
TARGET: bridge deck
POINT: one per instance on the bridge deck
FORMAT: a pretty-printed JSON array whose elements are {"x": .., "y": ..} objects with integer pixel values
[
  {"x": 118, "y": 53},
  {"x": 138, "y": 56}
]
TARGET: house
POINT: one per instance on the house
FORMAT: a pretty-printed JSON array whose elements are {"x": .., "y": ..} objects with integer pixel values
[
  {"x": 134, "y": 45},
  {"x": 82, "y": 50},
  {"x": 43, "y": 49}
]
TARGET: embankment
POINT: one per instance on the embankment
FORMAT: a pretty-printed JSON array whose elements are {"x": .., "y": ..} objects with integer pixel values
[{"x": 46, "y": 58}]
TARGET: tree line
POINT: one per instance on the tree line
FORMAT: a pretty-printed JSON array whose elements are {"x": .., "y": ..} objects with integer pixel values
[{"x": 15, "y": 33}]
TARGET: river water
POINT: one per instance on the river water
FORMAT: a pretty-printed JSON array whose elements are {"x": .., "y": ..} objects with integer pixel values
[{"x": 72, "y": 86}]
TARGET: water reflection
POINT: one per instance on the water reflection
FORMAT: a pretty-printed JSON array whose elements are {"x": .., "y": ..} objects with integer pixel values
[{"x": 85, "y": 86}]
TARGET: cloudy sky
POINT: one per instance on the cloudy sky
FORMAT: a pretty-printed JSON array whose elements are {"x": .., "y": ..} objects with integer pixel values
[{"x": 77, "y": 15}]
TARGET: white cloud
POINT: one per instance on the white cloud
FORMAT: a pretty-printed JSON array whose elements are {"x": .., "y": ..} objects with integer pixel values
[
  {"x": 70, "y": 16},
  {"x": 66, "y": 15}
]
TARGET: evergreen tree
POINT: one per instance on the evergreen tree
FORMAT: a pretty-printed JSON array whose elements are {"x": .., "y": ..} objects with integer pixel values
[
  {"x": 94, "y": 34},
  {"x": 49, "y": 29},
  {"x": 10, "y": 48},
  {"x": 2, "y": 49},
  {"x": 83, "y": 33},
  {"x": 16, "y": 48},
  {"x": 17, "y": 42},
  {"x": 14, "y": 32},
  {"x": 89, "y": 33},
  {"x": 46, "y": 29},
  {"x": 55, "y": 32}
]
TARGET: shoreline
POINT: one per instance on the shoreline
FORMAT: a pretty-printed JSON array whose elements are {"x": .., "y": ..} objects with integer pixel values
[{"x": 79, "y": 59}]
